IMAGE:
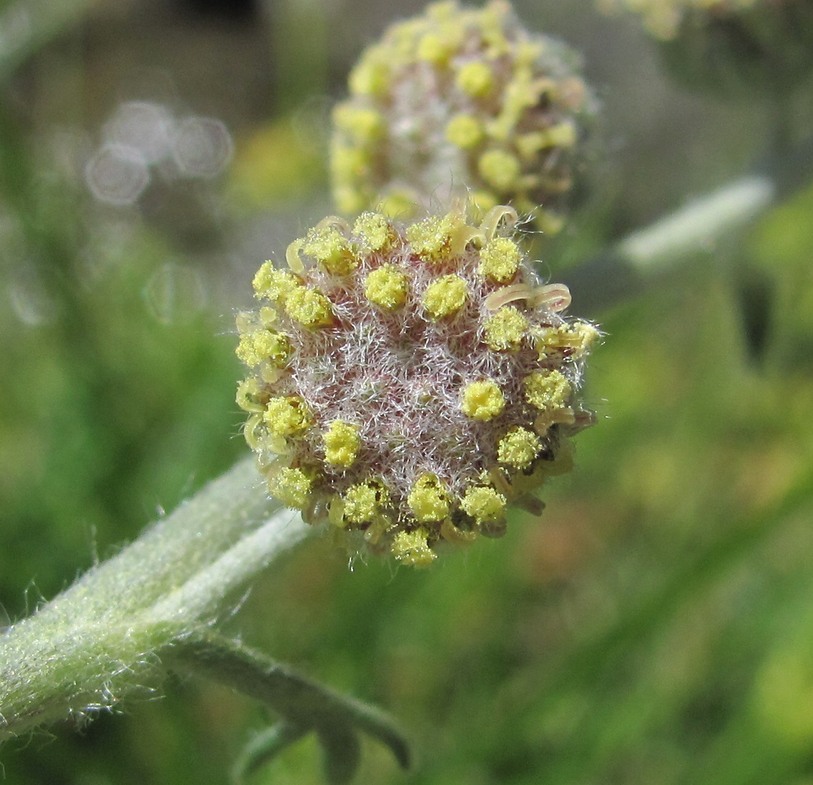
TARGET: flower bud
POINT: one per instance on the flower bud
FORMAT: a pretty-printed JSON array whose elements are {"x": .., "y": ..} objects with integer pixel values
[
  {"x": 434, "y": 382},
  {"x": 731, "y": 46},
  {"x": 460, "y": 101}
]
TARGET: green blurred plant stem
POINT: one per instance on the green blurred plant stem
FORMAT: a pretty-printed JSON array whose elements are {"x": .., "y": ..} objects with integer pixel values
[{"x": 103, "y": 638}]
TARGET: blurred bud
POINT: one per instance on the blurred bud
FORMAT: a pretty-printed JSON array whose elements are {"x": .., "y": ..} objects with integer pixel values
[
  {"x": 730, "y": 46},
  {"x": 460, "y": 101},
  {"x": 408, "y": 383}
]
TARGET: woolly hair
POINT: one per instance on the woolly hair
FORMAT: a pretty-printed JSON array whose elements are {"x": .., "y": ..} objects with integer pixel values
[
  {"x": 458, "y": 100},
  {"x": 409, "y": 382}
]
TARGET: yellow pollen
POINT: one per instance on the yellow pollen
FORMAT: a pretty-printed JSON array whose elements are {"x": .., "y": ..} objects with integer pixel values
[
  {"x": 428, "y": 500},
  {"x": 445, "y": 297},
  {"x": 374, "y": 231},
  {"x": 482, "y": 400},
  {"x": 412, "y": 548},
  {"x": 360, "y": 503},
  {"x": 342, "y": 443},
  {"x": 483, "y": 504},
  {"x": 431, "y": 238},
  {"x": 274, "y": 284},
  {"x": 500, "y": 260},
  {"x": 309, "y": 307},
  {"x": 264, "y": 346},
  {"x": 547, "y": 389},
  {"x": 331, "y": 249},
  {"x": 286, "y": 416},
  {"x": 518, "y": 448},
  {"x": 291, "y": 486},
  {"x": 386, "y": 287},
  {"x": 505, "y": 330}
]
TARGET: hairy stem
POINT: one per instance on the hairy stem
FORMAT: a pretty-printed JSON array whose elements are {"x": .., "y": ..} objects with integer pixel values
[{"x": 96, "y": 642}]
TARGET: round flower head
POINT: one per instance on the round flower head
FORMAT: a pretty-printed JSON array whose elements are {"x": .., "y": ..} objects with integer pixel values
[
  {"x": 407, "y": 383},
  {"x": 460, "y": 101},
  {"x": 734, "y": 46}
]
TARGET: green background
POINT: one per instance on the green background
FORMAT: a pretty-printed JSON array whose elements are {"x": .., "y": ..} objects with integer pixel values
[{"x": 654, "y": 626}]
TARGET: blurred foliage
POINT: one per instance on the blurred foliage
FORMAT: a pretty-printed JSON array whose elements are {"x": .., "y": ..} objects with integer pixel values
[{"x": 655, "y": 626}]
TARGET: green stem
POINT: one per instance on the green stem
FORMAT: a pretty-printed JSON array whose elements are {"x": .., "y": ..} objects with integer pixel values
[{"x": 97, "y": 641}]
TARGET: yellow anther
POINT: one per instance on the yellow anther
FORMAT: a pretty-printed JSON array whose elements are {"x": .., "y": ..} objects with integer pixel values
[
  {"x": 342, "y": 442},
  {"x": 500, "y": 260},
  {"x": 464, "y": 131},
  {"x": 505, "y": 330},
  {"x": 445, "y": 297},
  {"x": 482, "y": 400},
  {"x": 483, "y": 504},
  {"x": 374, "y": 233},
  {"x": 291, "y": 486},
  {"x": 431, "y": 238},
  {"x": 364, "y": 126},
  {"x": 518, "y": 448},
  {"x": 361, "y": 503},
  {"x": 331, "y": 249},
  {"x": 399, "y": 203},
  {"x": 500, "y": 169},
  {"x": 286, "y": 416},
  {"x": 309, "y": 307},
  {"x": 262, "y": 346},
  {"x": 562, "y": 135},
  {"x": 547, "y": 389},
  {"x": 475, "y": 79},
  {"x": 386, "y": 287},
  {"x": 428, "y": 499},
  {"x": 274, "y": 284},
  {"x": 412, "y": 548},
  {"x": 435, "y": 48}
]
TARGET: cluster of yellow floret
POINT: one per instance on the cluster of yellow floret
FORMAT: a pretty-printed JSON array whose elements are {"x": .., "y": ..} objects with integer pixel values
[
  {"x": 460, "y": 100},
  {"x": 408, "y": 382}
]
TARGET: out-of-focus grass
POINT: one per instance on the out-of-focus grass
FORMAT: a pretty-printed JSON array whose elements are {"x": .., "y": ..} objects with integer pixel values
[{"x": 655, "y": 626}]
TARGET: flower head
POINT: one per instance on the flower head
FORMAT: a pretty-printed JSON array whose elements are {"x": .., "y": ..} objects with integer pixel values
[
  {"x": 408, "y": 382},
  {"x": 460, "y": 100}
]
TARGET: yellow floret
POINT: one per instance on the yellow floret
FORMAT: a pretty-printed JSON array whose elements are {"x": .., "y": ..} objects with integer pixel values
[
  {"x": 342, "y": 443},
  {"x": 500, "y": 169},
  {"x": 360, "y": 503},
  {"x": 248, "y": 394},
  {"x": 427, "y": 499},
  {"x": 464, "y": 131},
  {"x": 412, "y": 548},
  {"x": 264, "y": 346},
  {"x": 331, "y": 249},
  {"x": 547, "y": 389},
  {"x": 363, "y": 125},
  {"x": 286, "y": 416},
  {"x": 445, "y": 297},
  {"x": 435, "y": 48},
  {"x": 483, "y": 504},
  {"x": 274, "y": 284},
  {"x": 386, "y": 287},
  {"x": 475, "y": 79},
  {"x": 374, "y": 232},
  {"x": 518, "y": 448},
  {"x": 499, "y": 260},
  {"x": 482, "y": 400},
  {"x": 431, "y": 238},
  {"x": 291, "y": 486},
  {"x": 370, "y": 77},
  {"x": 309, "y": 307},
  {"x": 505, "y": 330}
]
